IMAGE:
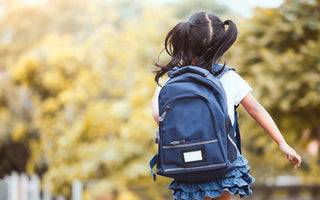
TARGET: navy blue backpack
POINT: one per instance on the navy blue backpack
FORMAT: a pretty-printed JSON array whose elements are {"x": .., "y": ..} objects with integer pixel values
[{"x": 196, "y": 140}]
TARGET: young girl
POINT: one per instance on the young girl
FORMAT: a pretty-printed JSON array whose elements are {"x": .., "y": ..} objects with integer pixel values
[{"x": 201, "y": 41}]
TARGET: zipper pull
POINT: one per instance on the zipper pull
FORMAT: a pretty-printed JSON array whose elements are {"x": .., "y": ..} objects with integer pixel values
[
  {"x": 173, "y": 143},
  {"x": 161, "y": 118},
  {"x": 157, "y": 136}
]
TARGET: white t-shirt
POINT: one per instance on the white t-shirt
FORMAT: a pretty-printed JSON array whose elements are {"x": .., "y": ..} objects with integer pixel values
[{"x": 236, "y": 89}]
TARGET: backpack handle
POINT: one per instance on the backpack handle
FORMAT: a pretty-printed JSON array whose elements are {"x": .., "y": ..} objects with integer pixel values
[
  {"x": 176, "y": 71},
  {"x": 193, "y": 69}
]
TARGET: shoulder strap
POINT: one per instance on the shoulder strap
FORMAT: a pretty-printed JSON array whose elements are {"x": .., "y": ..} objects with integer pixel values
[
  {"x": 152, "y": 163},
  {"x": 236, "y": 129},
  {"x": 226, "y": 68}
]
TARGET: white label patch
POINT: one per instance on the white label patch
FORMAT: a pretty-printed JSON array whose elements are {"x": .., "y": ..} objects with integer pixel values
[{"x": 192, "y": 156}]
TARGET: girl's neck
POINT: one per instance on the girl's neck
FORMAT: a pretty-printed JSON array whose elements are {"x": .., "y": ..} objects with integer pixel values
[{"x": 194, "y": 60}]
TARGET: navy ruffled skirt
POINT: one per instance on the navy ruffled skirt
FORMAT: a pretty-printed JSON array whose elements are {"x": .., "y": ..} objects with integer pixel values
[{"x": 238, "y": 181}]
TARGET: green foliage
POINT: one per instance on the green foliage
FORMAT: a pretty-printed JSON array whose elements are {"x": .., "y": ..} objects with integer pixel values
[{"x": 277, "y": 52}]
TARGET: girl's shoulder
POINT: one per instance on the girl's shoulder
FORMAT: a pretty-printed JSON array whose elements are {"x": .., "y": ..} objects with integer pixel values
[
  {"x": 230, "y": 74},
  {"x": 232, "y": 81}
]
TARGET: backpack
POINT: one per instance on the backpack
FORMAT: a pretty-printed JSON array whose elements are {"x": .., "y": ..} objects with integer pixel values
[{"x": 196, "y": 140}]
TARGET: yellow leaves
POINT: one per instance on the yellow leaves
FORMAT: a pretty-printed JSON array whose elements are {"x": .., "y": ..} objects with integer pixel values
[
  {"x": 117, "y": 91},
  {"x": 76, "y": 95},
  {"x": 19, "y": 131},
  {"x": 65, "y": 141},
  {"x": 139, "y": 95},
  {"x": 310, "y": 100},
  {"x": 64, "y": 66},
  {"x": 102, "y": 188},
  {"x": 35, "y": 156},
  {"x": 5, "y": 117},
  {"x": 90, "y": 81},
  {"x": 142, "y": 90},
  {"x": 51, "y": 39},
  {"x": 137, "y": 168},
  {"x": 67, "y": 172},
  {"x": 120, "y": 109},
  {"x": 67, "y": 96},
  {"x": 140, "y": 128},
  {"x": 26, "y": 70},
  {"x": 126, "y": 194},
  {"x": 263, "y": 15},
  {"x": 90, "y": 93},
  {"x": 50, "y": 105},
  {"x": 54, "y": 81},
  {"x": 101, "y": 120}
]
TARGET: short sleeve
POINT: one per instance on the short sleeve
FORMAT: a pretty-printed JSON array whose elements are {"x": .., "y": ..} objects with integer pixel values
[{"x": 236, "y": 87}]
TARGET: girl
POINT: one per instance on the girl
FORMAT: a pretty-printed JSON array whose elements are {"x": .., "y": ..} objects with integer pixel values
[{"x": 201, "y": 41}]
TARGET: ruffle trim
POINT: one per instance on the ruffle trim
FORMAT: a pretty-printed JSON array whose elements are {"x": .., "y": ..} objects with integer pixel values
[{"x": 238, "y": 181}]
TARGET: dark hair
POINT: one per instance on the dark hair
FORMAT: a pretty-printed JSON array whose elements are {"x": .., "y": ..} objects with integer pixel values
[{"x": 202, "y": 36}]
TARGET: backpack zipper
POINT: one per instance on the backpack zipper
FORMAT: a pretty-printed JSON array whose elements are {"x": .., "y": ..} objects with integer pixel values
[
  {"x": 181, "y": 143},
  {"x": 161, "y": 118}
]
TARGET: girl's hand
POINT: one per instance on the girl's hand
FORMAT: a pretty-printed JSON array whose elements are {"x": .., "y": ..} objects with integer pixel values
[{"x": 291, "y": 154}]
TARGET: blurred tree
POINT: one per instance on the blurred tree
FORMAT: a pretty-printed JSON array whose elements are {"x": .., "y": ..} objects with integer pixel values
[
  {"x": 280, "y": 46},
  {"x": 19, "y": 33},
  {"x": 15, "y": 114},
  {"x": 77, "y": 90},
  {"x": 76, "y": 85}
]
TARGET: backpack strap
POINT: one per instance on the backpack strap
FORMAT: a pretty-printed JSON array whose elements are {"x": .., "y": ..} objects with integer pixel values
[
  {"x": 225, "y": 69},
  {"x": 152, "y": 163},
  {"x": 236, "y": 129}
]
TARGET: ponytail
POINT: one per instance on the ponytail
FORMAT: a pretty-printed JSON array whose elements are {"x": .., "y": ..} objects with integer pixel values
[
  {"x": 203, "y": 37},
  {"x": 177, "y": 46},
  {"x": 230, "y": 35},
  {"x": 227, "y": 40},
  {"x": 221, "y": 42}
]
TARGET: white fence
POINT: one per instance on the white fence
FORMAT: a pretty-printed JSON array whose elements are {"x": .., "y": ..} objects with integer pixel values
[{"x": 23, "y": 187}]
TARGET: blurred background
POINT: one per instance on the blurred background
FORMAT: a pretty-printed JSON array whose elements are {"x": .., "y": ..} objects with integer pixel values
[{"x": 76, "y": 83}]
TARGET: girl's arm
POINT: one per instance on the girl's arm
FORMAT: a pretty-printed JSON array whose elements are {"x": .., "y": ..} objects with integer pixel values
[
  {"x": 154, "y": 105},
  {"x": 256, "y": 110}
]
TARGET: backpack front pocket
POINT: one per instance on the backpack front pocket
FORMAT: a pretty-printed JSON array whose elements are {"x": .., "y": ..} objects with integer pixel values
[{"x": 194, "y": 155}]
